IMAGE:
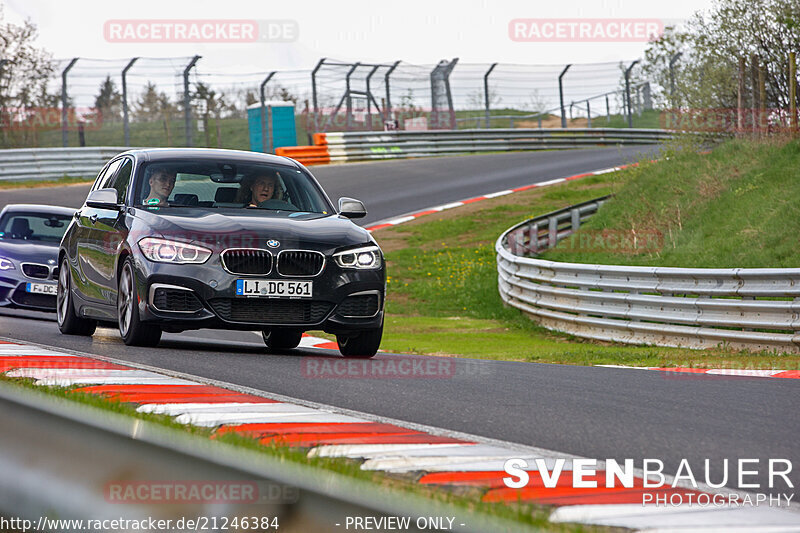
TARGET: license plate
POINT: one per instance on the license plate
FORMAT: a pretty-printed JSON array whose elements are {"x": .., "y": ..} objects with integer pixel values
[
  {"x": 41, "y": 288},
  {"x": 273, "y": 288}
]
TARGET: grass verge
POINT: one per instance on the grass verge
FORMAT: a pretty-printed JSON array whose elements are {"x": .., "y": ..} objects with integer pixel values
[
  {"x": 30, "y": 184},
  {"x": 442, "y": 286}
]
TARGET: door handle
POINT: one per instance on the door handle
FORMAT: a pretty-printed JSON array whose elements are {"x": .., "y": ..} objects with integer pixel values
[{"x": 93, "y": 218}]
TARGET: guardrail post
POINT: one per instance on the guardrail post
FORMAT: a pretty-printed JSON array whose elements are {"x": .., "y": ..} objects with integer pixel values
[
  {"x": 314, "y": 93},
  {"x": 388, "y": 106},
  {"x": 576, "y": 219},
  {"x": 64, "y": 102},
  {"x": 187, "y": 102},
  {"x": 486, "y": 91},
  {"x": 261, "y": 90},
  {"x": 552, "y": 232},
  {"x": 534, "y": 237},
  {"x": 561, "y": 95},
  {"x": 126, "y": 127},
  {"x": 628, "y": 92}
]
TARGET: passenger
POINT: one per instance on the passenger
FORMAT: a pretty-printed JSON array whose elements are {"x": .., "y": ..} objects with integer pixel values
[
  {"x": 258, "y": 188},
  {"x": 161, "y": 184}
]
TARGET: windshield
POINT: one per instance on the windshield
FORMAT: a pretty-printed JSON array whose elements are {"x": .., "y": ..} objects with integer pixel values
[
  {"x": 217, "y": 183},
  {"x": 43, "y": 228}
]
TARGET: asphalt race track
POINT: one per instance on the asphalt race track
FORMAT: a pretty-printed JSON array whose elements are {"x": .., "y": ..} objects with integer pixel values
[
  {"x": 589, "y": 411},
  {"x": 392, "y": 188}
]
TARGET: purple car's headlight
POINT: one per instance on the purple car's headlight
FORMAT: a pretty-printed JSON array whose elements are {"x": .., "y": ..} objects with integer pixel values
[
  {"x": 5, "y": 264},
  {"x": 166, "y": 251}
]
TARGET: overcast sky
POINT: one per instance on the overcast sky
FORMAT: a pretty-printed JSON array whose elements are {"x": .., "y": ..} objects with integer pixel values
[{"x": 416, "y": 31}]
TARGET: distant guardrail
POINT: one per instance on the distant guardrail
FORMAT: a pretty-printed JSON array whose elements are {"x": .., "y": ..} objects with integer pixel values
[
  {"x": 365, "y": 146},
  {"x": 54, "y": 163},
  {"x": 753, "y": 309}
]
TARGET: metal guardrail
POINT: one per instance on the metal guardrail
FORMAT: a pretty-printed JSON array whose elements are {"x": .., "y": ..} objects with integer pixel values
[
  {"x": 60, "y": 459},
  {"x": 364, "y": 146},
  {"x": 753, "y": 309},
  {"x": 54, "y": 163}
]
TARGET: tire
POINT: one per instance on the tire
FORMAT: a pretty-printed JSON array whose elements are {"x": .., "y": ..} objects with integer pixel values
[
  {"x": 362, "y": 345},
  {"x": 68, "y": 322},
  {"x": 133, "y": 331},
  {"x": 278, "y": 339}
]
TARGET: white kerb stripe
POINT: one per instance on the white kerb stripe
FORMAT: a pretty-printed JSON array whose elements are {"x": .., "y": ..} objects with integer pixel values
[
  {"x": 496, "y": 194},
  {"x": 447, "y": 206},
  {"x": 42, "y": 373},
  {"x": 550, "y": 182},
  {"x": 401, "y": 220},
  {"x": 112, "y": 380},
  {"x": 360, "y": 450},
  {"x": 659, "y": 518},
  {"x": 412, "y": 464},
  {"x": 222, "y": 408},
  {"x": 211, "y": 419},
  {"x": 17, "y": 350}
]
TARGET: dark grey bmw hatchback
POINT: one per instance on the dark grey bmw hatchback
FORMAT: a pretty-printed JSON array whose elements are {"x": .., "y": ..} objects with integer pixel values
[{"x": 179, "y": 239}]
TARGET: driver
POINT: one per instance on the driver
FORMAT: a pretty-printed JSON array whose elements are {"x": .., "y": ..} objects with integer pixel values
[
  {"x": 259, "y": 188},
  {"x": 161, "y": 184}
]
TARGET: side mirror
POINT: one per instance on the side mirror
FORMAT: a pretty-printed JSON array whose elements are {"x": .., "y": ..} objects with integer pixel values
[
  {"x": 352, "y": 208},
  {"x": 103, "y": 199}
]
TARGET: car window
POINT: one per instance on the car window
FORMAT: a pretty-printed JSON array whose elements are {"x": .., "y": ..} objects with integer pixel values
[
  {"x": 107, "y": 180},
  {"x": 122, "y": 179},
  {"x": 30, "y": 226},
  {"x": 213, "y": 184}
]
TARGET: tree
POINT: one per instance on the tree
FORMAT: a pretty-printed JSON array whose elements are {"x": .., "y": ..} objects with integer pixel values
[
  {"x": 24, "y": 78},
  {"x": 147, "y": 107},
  {"x": 712, "y": 45},
  {"x": 108, "y": 101}
]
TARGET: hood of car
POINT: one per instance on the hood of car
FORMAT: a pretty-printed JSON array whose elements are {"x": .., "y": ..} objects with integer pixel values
[
  {"x": 246, "y": 228},
  {"x": 27, "y": 251}
]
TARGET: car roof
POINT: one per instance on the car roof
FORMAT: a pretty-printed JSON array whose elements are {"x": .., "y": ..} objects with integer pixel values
[
  {"x": 242, "y": 156},
  {"x": 38, "y": 208}
]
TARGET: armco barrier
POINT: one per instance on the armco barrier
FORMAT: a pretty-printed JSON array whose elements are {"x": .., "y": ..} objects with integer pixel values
[
  {"x": 365, "y": 146},
  {"x": 753, "y": 309},
  {"x": 54, "y": 163}
]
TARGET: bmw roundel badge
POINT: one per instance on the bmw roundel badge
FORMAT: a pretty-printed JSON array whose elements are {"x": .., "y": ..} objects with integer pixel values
[{"x": 272, "y": 243}]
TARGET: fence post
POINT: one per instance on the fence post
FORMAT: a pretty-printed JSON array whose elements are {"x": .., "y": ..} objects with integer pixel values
[
  {"x": 486, "y": 91},
  {"x": 672, "y": 61},
  {"x": 608, "y": 110},
  {"x": 740, "y": 98},
  {"x": 369, "y": 98},
  {"x": 793, "y": 90},
  {"x": 388, "y": 106},
  {"x": 64, "y": 102},
  {"x": 561, "y": 95},
  {"x": 263, "y": 100},
  {"x": 349, "y": 99},
  {"x": 628, "y": 92},
  {"x": 754, "y": 92},
  {"x": 314, "y": 93},
  {"x": 126, "y": 127},
  {"x": 588, "y": 114},
  {"x": 440, "y": 87},
  {"x": 762, "y": 100},
  {"x": 187, "y": 102}
]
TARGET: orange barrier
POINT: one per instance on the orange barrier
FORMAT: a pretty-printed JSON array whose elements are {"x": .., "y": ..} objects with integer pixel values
[{"x": 307, "y": 155}]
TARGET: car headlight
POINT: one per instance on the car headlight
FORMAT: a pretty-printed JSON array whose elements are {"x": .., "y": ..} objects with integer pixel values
[
  {"x": 5, "y": 264},
  {"x": 166, "y": 251},
  {"x": 366, "y": 257}
]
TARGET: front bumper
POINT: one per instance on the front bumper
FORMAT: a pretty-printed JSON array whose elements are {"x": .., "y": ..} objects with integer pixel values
[
  {"x": 218, "y": 306},
  {"x": 14, "y": 294}
]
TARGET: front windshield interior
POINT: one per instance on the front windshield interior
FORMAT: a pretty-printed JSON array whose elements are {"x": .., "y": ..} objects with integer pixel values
[
  {"x": 43, "y": 228},
  {"x": 224, "y": 184}
]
